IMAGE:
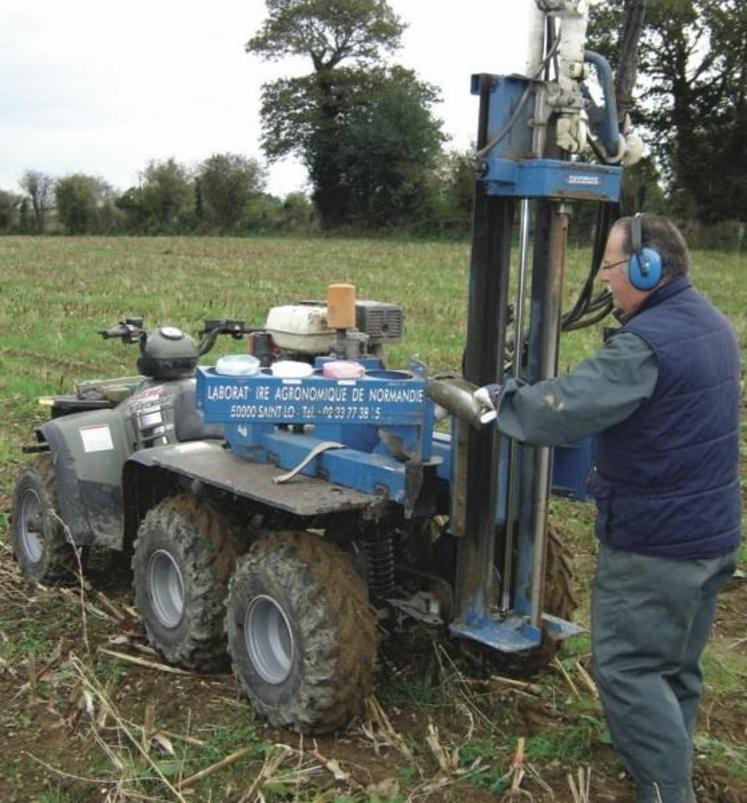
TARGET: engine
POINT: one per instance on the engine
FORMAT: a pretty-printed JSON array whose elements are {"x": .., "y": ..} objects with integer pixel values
[{"x": 306, "y": 330}]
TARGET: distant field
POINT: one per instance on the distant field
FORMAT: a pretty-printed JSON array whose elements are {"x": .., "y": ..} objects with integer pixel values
[{"x": 56, "y": 293}]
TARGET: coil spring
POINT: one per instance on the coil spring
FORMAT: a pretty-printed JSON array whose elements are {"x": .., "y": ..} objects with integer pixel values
[{"x": 378, "y": 548}]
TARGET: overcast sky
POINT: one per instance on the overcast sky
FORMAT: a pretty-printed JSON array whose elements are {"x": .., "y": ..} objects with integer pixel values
[{"x": 102, "y": 88}]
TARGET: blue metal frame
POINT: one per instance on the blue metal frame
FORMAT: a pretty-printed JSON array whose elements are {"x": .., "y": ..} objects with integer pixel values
[
  {"x": 549, "y": 178},
  {"x": 512, "y": 633},
  {"x": 510, "y": 168},
  {"x": 258, "y": 412},
  {"x": 378, "y": 418}
]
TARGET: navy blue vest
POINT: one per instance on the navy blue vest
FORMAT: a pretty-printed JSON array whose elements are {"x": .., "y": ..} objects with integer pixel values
[{"x": 667, "y": 480}]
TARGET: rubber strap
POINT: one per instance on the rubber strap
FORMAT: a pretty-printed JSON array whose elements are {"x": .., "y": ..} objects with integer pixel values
[{"x": 324, "y": 446}]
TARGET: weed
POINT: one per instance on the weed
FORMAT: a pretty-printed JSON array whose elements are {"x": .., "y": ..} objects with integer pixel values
[
  {"x": 408, "y": 773},
  {"x": 728, "y": 756},
  {"x": 478, "y": 758},
  {"x": 724, "y": 671},
  {"x": 56, "y": 795},
  {"x": 411, "y": 690},
  {"x": 569, "y": 745},
  {"x": 34, "y": 637},
  {"x": 577, "y": 646},
  {"x": 228, "y": 738},
  {"x": 111, "y": 671}
]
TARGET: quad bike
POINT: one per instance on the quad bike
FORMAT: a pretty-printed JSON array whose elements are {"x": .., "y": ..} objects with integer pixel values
[{"x": 229, "y": 559}]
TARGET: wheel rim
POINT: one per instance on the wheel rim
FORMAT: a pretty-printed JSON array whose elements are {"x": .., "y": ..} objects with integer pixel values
[
  {"x": 269, "y": 639},
  {"x": 166, "y": 588},
  {"x": 32, "y": 526}
]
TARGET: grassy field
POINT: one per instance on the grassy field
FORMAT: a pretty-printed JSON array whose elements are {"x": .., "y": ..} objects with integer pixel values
[{"x": 93, "y": 726}]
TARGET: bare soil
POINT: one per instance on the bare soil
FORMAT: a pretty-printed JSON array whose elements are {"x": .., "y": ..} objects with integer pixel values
[{"x": 449, "y": 730}]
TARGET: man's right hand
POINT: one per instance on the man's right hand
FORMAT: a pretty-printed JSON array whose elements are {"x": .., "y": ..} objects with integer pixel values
[{"x": 488, "y": 395}]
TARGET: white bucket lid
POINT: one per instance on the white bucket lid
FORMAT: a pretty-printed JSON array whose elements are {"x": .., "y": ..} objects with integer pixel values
[
  {"x": 237, "y": 365},
  {"x": 291, "y": 369}
]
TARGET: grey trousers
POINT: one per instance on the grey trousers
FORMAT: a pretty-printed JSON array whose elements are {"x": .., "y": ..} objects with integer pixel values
[{"x": 650, "y": 620}]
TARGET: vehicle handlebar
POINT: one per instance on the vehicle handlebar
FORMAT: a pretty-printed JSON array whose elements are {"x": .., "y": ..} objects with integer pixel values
[{"x": 129, "y": 331}]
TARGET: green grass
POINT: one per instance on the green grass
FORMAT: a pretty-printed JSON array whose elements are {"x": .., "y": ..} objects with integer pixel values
[
  {"x": 725, "y": 671},
  {"x": 420, "y": 690},
  {"x": 34, "y": 637},
  {"x": 727, "y": 756},
  {"x": 570, "y": 745},
  {"x": 226, "y": 739},
  {"x": 81, "y": 285},
  {"x": 57, "y": 292}
]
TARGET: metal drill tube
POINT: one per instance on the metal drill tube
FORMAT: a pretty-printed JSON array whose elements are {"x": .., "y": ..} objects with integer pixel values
[
  {"x": 548, "y": 367},
  {"x": 516, "y": 371}
]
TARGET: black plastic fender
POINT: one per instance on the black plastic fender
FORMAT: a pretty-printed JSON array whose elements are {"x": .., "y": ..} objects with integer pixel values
[{"x": 89, "y": 450}]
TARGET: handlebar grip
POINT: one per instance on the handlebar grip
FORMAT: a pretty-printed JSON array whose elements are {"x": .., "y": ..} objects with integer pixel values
[{"x": 114, "y": 331}]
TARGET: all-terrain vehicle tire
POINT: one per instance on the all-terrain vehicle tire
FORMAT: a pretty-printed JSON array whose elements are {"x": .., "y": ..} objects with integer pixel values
[
  {"x": 301, "y": 633},
  {"x": 560, "y": 584},
  {"x": 40, "y": 543},
  {"x": 183, "y": 558}
]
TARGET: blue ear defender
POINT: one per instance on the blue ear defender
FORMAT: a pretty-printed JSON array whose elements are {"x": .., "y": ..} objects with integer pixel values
[{"x": 644, "y": 265}]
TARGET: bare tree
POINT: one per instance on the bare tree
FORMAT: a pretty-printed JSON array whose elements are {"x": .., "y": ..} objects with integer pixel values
[{"x": 39, "y": 187}]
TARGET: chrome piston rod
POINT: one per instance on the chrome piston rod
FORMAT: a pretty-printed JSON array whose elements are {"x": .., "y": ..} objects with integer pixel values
[{"x": 513, "y": 485}]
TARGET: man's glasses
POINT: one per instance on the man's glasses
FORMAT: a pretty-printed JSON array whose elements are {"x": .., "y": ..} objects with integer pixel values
[{"x": 615, "y": 264}]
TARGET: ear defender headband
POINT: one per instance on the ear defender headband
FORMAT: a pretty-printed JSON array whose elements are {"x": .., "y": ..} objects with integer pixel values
[{"x": 644, "y": 265}]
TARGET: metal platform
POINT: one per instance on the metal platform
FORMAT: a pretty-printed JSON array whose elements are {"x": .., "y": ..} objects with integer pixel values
[{"x": 211, "y": 462}]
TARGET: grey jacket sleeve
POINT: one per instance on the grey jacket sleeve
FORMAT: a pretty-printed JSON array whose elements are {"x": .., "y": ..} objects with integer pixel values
[{"x": 600, "y": 392}]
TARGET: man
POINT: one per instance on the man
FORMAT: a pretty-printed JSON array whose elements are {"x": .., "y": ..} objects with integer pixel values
[{"x": 663, "y": 398}]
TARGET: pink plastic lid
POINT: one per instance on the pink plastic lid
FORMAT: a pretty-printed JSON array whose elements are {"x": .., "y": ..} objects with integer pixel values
[{"x": 343, "y": 369}]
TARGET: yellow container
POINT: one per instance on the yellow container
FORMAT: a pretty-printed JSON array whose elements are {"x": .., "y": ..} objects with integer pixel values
[{"x": 341, "y": 306}]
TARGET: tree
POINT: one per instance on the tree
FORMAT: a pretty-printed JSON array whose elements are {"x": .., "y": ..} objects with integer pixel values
[
  {"x": 24, "y": 216},
  {"x": 164, "y": 195},
  {"x": 329, "y": 31},
  {"x": 131, "y": 204},
  {"x": 82, "y": 203},
  {"x": 9, "y": 204},
  {"x": 456, "y": 188},
  {"x": 693, "y": 70},
  {"x": 391, "y": 144},
  {"x": 39, "y": 187},
  {"x": 226, "y": 181},
  {"x": 323, "y": 117},
  {"x": 298, "y": 213}
]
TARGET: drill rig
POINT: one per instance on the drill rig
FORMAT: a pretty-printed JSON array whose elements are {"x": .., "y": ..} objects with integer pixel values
[{"x": 331, "y": 485}]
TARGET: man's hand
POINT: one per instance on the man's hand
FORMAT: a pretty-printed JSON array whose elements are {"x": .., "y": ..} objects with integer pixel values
[{"x": 488, "y": 396}]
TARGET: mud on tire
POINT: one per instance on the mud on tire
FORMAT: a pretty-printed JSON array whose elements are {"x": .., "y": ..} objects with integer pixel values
[
  {"x": 183, "y": 557},
  {"x": 301, "y": 634},
  {"x": 40, "y": 544}
]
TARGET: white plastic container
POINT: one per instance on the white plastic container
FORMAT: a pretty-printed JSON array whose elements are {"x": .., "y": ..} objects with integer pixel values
[{"x": 301, "y": 327}]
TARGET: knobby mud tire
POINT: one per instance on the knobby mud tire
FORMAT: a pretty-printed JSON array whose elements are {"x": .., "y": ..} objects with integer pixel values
[
  {"x": 37, "y": 489},
  {"x": 204, "y": 545},
  {"x": 332, "y": 628},
  {"x": 560, "y": 583}
]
